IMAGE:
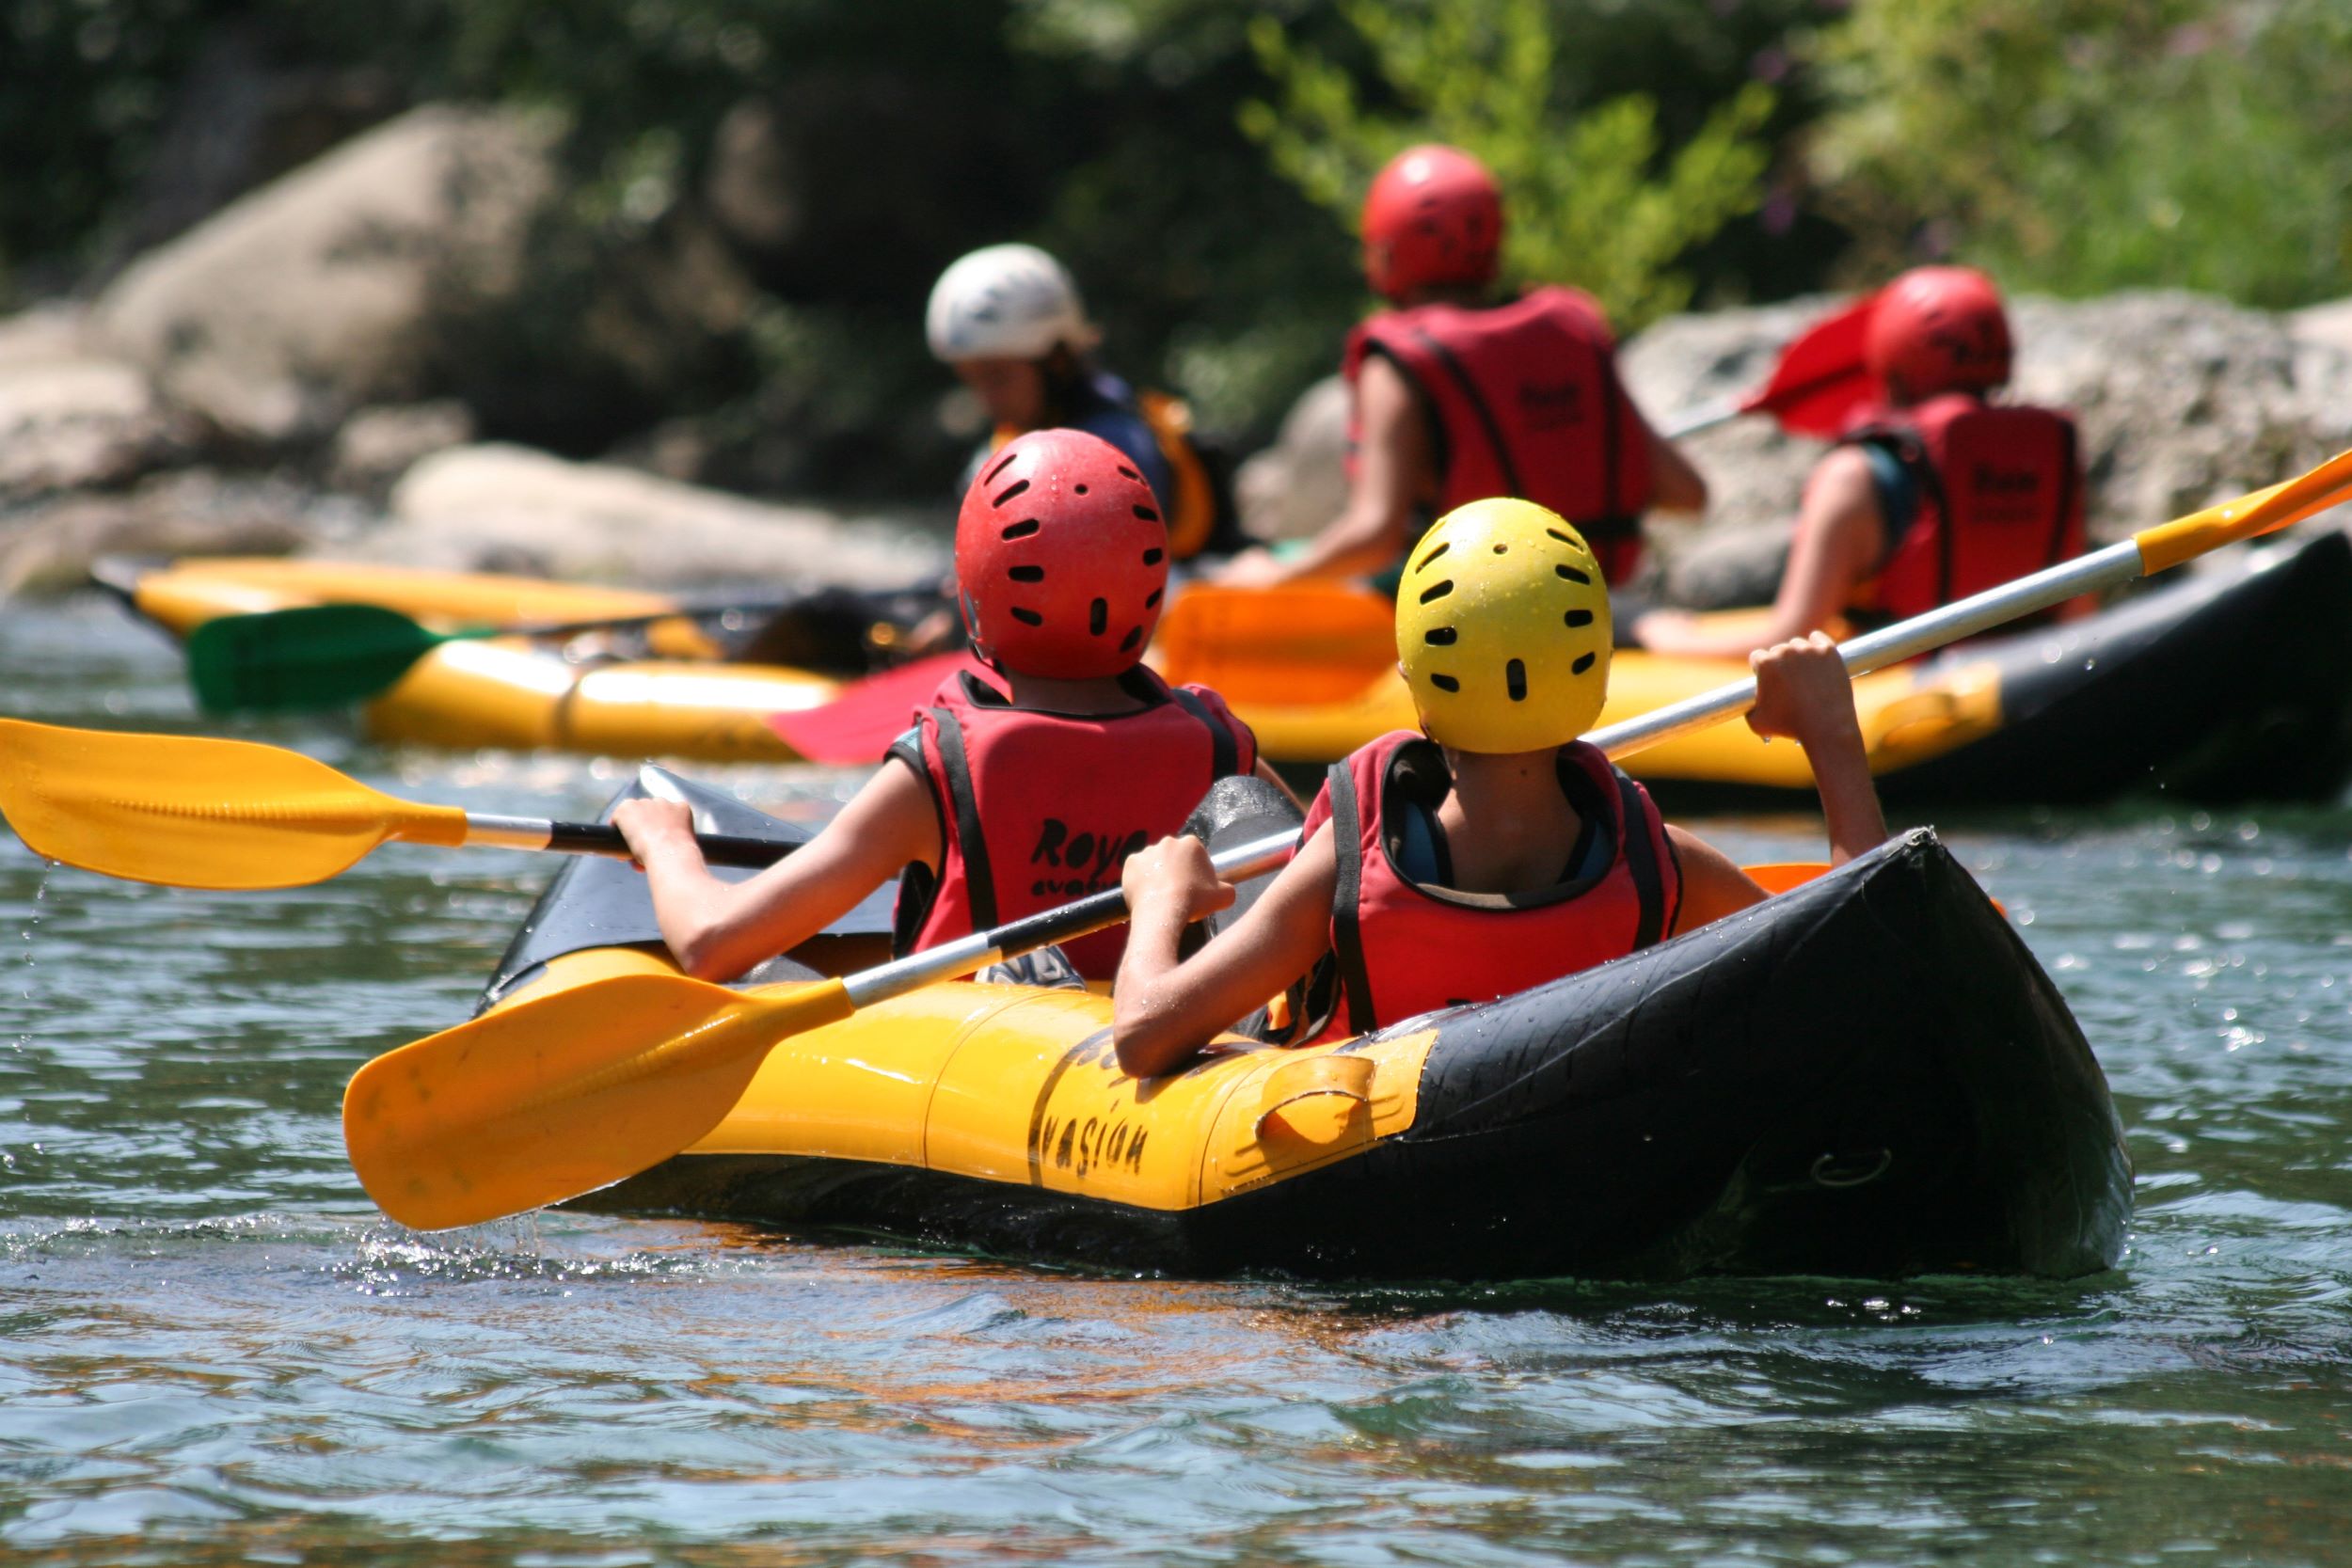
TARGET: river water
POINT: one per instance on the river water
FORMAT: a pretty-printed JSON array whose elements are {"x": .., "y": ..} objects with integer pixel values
[{"x": 212, "y": 1350}]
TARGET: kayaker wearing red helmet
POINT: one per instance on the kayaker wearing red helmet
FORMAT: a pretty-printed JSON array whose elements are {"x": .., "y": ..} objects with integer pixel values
[
  {"x": 1456, "y": 398},
  {"x": 1941, "y": 495},
  {"x": 993, "y": 807}
]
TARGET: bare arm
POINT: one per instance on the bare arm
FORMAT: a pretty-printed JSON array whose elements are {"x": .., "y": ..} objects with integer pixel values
[
  {"x": 1163, "y": 1010},
  {"x": 716, "y": 930},
  {"x": 1676, "y": 483},
  {"x": 1714, "y": 885},
  {"x": 1394, "y": 468},
  {"x": 1802, "y": 691},
  {"x": 1838, "y": 541}
]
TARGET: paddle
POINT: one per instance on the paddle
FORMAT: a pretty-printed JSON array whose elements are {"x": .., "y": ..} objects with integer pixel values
[
  {"x": 861, "y": 720},
  {"x": 1814, "y": 388},
  {"x": 185, "y": 811},
  {"x": 326, "y": 655},
  {"x": 559, "y": 1095}
]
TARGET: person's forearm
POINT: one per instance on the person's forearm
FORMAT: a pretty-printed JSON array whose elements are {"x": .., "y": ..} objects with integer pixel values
[
  {"x": 1850, "y": 798},
  {"x": 1146, "y": 1012},
  {"x": 693, "y": 909}
]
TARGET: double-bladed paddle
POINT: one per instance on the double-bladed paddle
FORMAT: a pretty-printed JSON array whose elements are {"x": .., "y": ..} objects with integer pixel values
[
  {"x": 326, "y": 656},
  {"x": 557, "y": 1096},
  {"x": 1817, "y": 385},
  {"x": 186, "y": 811}
]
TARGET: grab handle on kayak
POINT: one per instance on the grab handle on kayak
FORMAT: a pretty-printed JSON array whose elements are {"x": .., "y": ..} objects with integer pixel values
[{"x": 1318, "y": 1100}]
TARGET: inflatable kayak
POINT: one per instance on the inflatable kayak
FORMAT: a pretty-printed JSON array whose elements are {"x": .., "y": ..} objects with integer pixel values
[
  {"x": 1867, "y": 1076},
  {"x": 2235, "y": 683}
]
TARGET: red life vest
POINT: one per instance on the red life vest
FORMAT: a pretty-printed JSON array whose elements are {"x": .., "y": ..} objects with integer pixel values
[
  {"x": 2001, "y": 495},
  {"x": 1405, "y": 947},
  {"x": 1525, "y": 402},
  {"x": 1037, "y": 809}
]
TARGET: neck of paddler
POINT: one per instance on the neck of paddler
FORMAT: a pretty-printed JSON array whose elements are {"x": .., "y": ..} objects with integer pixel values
[
  {"x": 1100, "y": 695},
  {"x": 1511, "y": 800}
]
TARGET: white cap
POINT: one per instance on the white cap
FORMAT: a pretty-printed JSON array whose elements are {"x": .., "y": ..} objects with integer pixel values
[{"x": 1006, "y": 302}]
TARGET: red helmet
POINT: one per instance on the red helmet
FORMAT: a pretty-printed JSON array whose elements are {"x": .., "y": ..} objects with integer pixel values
[
  {"x": 1938, "y": 329},
  {"x": 1434, "y": 215},
  {"x": 1061, "y": 557}
]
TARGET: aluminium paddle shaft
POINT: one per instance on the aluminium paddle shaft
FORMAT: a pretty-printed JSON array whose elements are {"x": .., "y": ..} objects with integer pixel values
[{"x": 952, "y": 960}]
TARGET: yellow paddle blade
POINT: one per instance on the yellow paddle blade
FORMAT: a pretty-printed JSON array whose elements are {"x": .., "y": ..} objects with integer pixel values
[
  {"x": 560, "y": 1095},
  {"x": 2168, "y": 545},
  {"x": 189, "y": 812}
]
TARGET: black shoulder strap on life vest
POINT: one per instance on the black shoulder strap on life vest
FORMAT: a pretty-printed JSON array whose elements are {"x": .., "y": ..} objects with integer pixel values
[
  {"x": 1347, "y": 935},
  {"x": 1225, "y": 758},
  {"x": 978, "y": 880},
  {"x": 1641, "y": 859},
  {"x": 2070, "y": 468},
  {"x": 1477, "y": 401}
]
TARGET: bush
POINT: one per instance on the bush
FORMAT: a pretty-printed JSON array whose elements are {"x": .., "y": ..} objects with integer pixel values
[
  {"x": 2080, "y": 146},
  {"x": 1589, "y": 200}
]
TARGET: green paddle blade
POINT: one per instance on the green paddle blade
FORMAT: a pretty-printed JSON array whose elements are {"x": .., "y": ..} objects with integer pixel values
[{"x": 293, "y": 660}]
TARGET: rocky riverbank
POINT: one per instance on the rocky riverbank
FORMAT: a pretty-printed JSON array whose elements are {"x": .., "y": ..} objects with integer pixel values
[{"x": 308, "y": 368}]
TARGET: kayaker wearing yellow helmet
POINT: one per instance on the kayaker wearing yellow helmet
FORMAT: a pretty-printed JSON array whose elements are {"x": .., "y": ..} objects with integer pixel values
[
  {"x": 1940, "y": 495},
  {"x": 1456, "y": 396},
  {"x": 1498, "y": 852}
]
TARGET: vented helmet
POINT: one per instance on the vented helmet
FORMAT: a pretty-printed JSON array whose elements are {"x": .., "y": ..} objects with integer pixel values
[
  {"x": 1434, "y": 215},
  {"x": 1061, "y": 558},
  {"x": 1502, "y": 628},
  {"x": 1006, "y": 302},
  {"x": 1938, "y": 329}
]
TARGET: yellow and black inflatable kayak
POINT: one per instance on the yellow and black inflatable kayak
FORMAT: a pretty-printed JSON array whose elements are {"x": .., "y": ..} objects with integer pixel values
[
  {"x": 2235, "y": 683},
  {"x": 1867, "y": 1076}
]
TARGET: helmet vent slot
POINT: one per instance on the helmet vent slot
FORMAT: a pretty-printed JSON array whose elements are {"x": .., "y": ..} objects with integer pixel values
[
  {"x": 1562, "y": 537},
  {"x": 1572, "y": 575},
  {"x": 1431, "y": 594},
  {"x": 1578, "y": 618},
  {"x": 1130, "y": 473},
  {"x": 1515, "y": 680},
  {"x": 1028, "y": 617},
  {"x": 1021, "y": 530},
  {"x": 1132, "y": 641},
  {"x": 1147, "y": 514},
  {"x": 1433, "y": 555},
  {"x": 1154, "y": 602},
  {"x": 1439, "y": 637},
  {"x": 1445, "y": 683},
  {"x": 1152, "y": 557},
  {"x": 1010, "y": 458},
  {"x": 1026, "y": 574},
  {"x": 1099, "y": 616},
  {"x": 1011, "y": 493},
  {"x": 1582, "y": 664}
]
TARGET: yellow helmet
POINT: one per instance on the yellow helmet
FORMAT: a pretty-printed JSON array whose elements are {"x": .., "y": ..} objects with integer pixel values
[{"x": 1502, "y": 628}]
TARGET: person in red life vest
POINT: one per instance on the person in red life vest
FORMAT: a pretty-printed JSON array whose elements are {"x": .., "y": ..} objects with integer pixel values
[
  {"x": 1456, "y": 397},
  {"x": 1498, "y": 852},
  {"x": 1941, "y": 495},
  {"x": 991, "y": 807}
]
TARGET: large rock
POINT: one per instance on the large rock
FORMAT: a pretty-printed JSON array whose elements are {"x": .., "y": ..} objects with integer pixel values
[
  {"x": 343, "y": 284},
  {"x": 72, "y": 418},
  {"x": 1294, "y": 487},
  {"x": 495, "y": 507}
]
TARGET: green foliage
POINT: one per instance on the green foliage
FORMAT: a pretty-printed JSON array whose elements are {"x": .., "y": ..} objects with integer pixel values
[
  {"x": 1589, "y": 201},
  {"x": 2078, "y": 146}
]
